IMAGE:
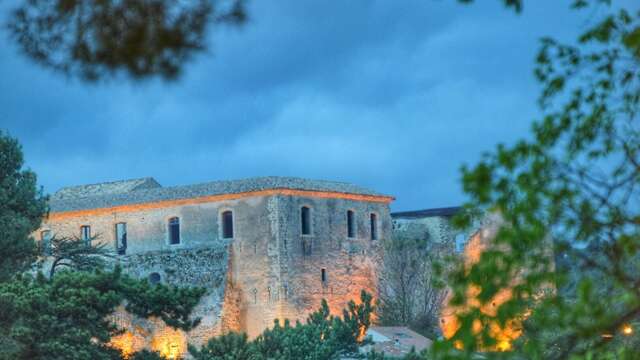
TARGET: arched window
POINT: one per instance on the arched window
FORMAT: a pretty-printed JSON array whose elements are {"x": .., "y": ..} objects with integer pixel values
[
  {"x": 227, "y": 225},
  {"x": 305, "y": 220},
  {"x": 374, "y": 226},
  {"x": 351, "y": 225},
  {"x": 174, "y": 231}
]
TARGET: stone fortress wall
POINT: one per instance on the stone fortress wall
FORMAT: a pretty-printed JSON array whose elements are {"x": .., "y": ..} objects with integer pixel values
[{"x": 267, "y": 270}]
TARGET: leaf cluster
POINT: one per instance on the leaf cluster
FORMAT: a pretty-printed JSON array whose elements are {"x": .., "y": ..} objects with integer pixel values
[
  {"x": 22, "y": 207},
  {"x": 322, "y": 336},
  {"x": 568, "y": 196},
  {"x": 67, "y": 317},
  {"x": 94, "y": 39}
]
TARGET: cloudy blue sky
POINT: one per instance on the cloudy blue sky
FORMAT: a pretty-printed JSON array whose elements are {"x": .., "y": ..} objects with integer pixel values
[{"x": 391, "y": 95}]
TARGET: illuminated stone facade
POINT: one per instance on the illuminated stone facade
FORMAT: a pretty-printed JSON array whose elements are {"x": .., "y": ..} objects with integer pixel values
[{"x": 258, "y": 265}]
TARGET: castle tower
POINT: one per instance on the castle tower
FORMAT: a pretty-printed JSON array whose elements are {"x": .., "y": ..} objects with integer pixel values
[{"x": 264, "y": 248}]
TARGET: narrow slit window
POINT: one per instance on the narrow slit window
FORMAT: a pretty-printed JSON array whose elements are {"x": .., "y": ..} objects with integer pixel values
[
  {"x": 323, "y": 275},
  {"x": 227, "y": 225},
  {"x": 45, "y": 238},
  {"x": 121, "y": 238},
  {"x": 351, "y": 226},
  {"x": 374, "y": 227},
  {"x": 85, "y": 233},
  {"x": 174, "y": 231},
  {"x": 305, "y": 220}
]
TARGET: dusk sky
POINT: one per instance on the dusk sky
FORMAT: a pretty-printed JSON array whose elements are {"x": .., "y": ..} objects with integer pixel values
[{"x": 392, "y": 95}]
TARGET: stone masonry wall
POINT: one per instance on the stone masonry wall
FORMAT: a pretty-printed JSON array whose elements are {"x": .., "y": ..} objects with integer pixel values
[{"x": 260, "y": 275}]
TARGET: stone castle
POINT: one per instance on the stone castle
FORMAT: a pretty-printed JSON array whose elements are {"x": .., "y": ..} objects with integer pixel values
[{"x": 264, "y": 248}]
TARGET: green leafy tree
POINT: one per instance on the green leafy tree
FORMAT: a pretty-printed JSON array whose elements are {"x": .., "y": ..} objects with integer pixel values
[
  {"x": 322, "y": 336},
  {"x": 22, "y": 207},
  {"x": 67, "y": 317},
  {"x": 96, "y": 39},
  {"x": 147, "y": 355},
  {"x": 576, "y": 182},
  {"x": 231, "y": 346},
  {"x": 75, "y": 253}
]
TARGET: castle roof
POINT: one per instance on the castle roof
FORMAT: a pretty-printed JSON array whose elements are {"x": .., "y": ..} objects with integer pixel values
[
  {"x": 416, "y": 214},
  {"x": 106, "y": 188},
  {"x": 148, "y": 190}
]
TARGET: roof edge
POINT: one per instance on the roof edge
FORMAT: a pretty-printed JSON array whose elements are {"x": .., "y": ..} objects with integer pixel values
[
  {"x": 220, "y": 197},
  {"x": 433, "y": 212}
]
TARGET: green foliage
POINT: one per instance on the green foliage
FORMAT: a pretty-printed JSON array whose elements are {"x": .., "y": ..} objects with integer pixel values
[
  {"x": 75, "y": 254},
  {"x": 147, "y": 355},
  {"x": 68, "y": 315},
  {"x": 571, "y": 191},
  {"x": 96, "y": 39},
  {"x": 323, "y": 336},
  {"x": 230, "y": 346},
  {"x": 22, "y": 207}
]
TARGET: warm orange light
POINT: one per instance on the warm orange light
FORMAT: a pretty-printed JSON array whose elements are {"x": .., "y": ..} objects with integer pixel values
[
  {"x": 170, "y": 343},
  {"x": 504, "y": 345},
  {"x": 212, "y": 198},
  {"x": 627, "y": 330},
  {"x": 124, "y": 343},
  {"x": 503, "y": 334}
]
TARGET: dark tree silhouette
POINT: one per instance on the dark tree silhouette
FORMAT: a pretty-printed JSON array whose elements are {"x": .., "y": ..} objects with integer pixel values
[
  {"x": 77, "y": 254},
  {"x": 96, "y": 39}
]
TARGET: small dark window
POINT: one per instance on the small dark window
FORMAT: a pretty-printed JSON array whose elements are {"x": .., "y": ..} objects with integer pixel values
[
  {"x": 154, "y": 278},
  {"x": 121, "y": 238},
  {"x": 374, "y": 227},
  {"x": 305, "y": 220},
  {"x": 227, "y": 225},
  {"x": 174, "y": 231},
  {"x": 85, "y": 233},
  {"x": 351, "y": 226},
  {"x": 323, "y": 275},
  {"x": 45, "y": 238}
]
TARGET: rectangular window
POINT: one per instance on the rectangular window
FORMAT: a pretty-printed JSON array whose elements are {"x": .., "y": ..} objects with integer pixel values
[
  {"x": 174, "y": 231},
  {"x": 227, "y": 225},
  {"x": 121, "y": 238},
  {"x": 85, "y": 233},
  {"x": 351, "y": 226},
  {"x": 45, "y": 238},
  {"x": 323, "y": 275},
  {"x": 374, "y": 227},
  {"x": 305, "y": 220}
]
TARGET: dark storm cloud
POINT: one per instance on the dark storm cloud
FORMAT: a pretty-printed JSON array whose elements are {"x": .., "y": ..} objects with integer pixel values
[{"x": 393, "y": 95}]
